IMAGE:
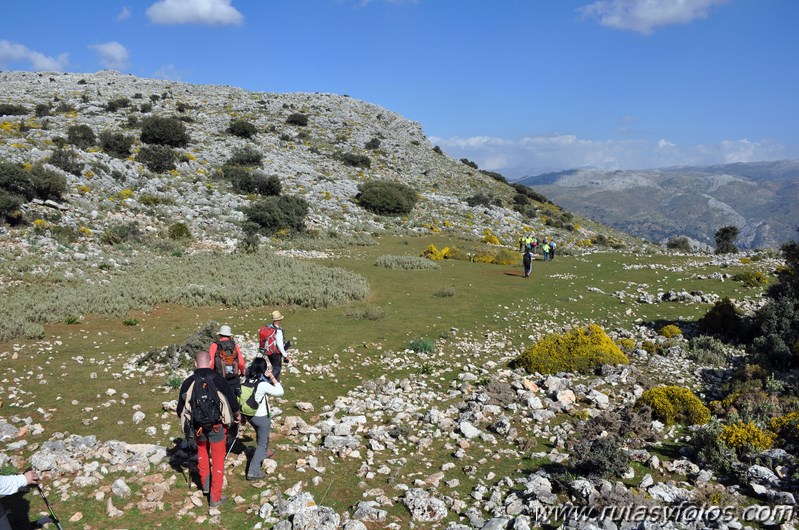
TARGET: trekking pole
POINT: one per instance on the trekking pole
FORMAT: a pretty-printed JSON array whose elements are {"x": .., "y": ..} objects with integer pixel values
[
  {"x": 53, "y": 517},
  {"x": 234, "y": 440}
]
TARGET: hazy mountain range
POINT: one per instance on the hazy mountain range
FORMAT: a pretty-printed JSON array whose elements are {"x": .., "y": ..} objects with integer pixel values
[{"x": 760, "y": 198}]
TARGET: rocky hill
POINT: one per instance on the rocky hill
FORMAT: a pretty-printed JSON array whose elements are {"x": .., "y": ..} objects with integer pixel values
[
  {"x": 759, "y": 198},
  {"x": 344, "y": 143}
]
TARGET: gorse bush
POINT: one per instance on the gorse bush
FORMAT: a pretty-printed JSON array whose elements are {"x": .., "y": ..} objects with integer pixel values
[
  {"x": 166, "y": 131},
  {"x": 579, "y": 350},
  {"x": 116, "y": 144},
  {"x": 747, "y": 437},
  {"x": 81, "y": 136},
  {"x": 271, "y": 215},
  {"x": 178, "y": 231},
  {"x": 670, "y": 331},
  {"x": 157, "y": 158},
  {"x": 406, "y": 263},
  {"x": 751, "y": 278},
  {"x": 231, "y": 280},
  {"x": 386, "y": 198},
  {"x": 674, "y": 404},
  {"x": 711, "y": 450},
  {"x": 242, "y": 129}
]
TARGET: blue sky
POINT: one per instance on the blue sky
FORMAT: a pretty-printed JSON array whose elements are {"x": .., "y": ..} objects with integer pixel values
[{"x": 520, "y": 86}]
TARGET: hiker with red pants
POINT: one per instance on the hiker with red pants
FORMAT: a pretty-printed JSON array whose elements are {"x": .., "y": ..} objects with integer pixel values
[{"x": 206, "y": 407}]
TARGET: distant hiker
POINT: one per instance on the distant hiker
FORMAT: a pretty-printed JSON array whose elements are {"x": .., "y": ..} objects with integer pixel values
[
  {"x": 11, "y": 484},
  {"x": 545, "y": 249},
  {"x": 206, "y": 407},
  {"x": 272, "y": 345},
  {"x": 552, "y": 250},
  {"x": 533, "y": 244},
  {"x": 527, "y": 259},
  {"x": 522, "y": 243},
  {"x": 227, "y": 359},
  {"x": 263, "y": 384}
]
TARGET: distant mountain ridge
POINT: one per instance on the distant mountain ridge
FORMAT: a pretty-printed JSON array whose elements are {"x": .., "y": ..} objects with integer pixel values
[{"x": 760, "y": 198}]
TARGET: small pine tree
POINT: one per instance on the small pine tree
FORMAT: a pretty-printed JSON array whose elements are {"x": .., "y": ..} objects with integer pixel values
[{"x": 725, "y": 240}]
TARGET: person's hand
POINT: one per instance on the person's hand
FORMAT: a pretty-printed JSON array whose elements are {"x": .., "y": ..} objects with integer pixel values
[{"x": 32, "y": 477}]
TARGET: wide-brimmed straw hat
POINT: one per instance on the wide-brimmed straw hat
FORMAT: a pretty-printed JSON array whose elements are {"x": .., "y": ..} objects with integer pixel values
[{"x": 276, "y": 315}]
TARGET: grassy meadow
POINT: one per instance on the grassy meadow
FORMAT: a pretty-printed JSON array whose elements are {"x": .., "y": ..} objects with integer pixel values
[{"x": 61, "y": 380}]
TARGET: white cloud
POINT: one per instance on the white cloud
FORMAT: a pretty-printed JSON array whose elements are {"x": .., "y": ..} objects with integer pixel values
[
  {"x": 539, "y": 154},
  {"x": 168, "y": 72},
  {"x": 207, "y": 12},
  {"x": 645, "y": 15},
  {"x": 112, "y": 55},
  {"x": 12, "y": 52},
  {"x": 124, "y": 14}
]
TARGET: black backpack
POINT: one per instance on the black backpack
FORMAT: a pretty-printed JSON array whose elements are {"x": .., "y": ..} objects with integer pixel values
[{"x": 206, "y": 409}]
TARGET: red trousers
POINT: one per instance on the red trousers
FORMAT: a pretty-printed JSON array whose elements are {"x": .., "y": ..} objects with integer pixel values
[{"x": 211, "y": 460}]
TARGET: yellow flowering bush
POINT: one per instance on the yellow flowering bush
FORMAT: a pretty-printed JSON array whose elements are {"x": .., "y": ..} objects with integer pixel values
[
  {"x": 626, "y": 345},
  {"x": 674, "y": 404},
  {"x": 740, "y": 435},
  {"x": 432, "y": 253},
  {"x": 670, "y": 331},
  {"x": 489, "y": 237},
  {"x": 579, "y": 350}
]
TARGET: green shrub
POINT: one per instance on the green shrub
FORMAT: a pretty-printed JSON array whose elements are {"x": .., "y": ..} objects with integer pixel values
[
  {"x": 242, "y": 129},
  {"x": 710, "y": 449},
  {"x": 297, "y": 119},
  {"x": 371, "y": 312},
  {"x": 579, "y": 350},
  {"x": 157, "y": 158},
  {"x": 386, "y": 198},
  {"x": 66, "y": 160},
  {"x": 245, "y": 181},
  {"x": 674, "y": 404},
  {"x": 130, "y": 322},
  {"x": 42, "y": 110},
  {"x": 354, "y": 160},
  {"x": 725, "y": 240},
  {"x": 679, "y": 243},
  {"x": 751, "y": 278},
  {"x": 437, "y": 150},
  {"x": 10, "y": 205},
  {"x": 148, "y": 199},
  {"x": 285, "y": 213},
  {"x": 723, "y": 320},
  {"x": 165, "y": 131},
  {"x": 670, "y": 331},
  {"x": 37, "y": 183},
  {"x": 179, "y": 231},
  {"x": 600, "y": 458},
  {"x": 124, "y": 232},
  {"x": 373, "y": 144},
  {"x": 422, "y": 345},
  {"x": 116, "y": 104},
  {"x": 705, "y": 349},
  {"x": 406, "y": 263},
  {"x": 81, "y": 136},
  {"x": 445, "y": 292},
  {"x": 481, "y": 199},
  {"x": 10, "y": 109},
  {"x": 247, "y": 157},
  {"x": 469, "y": 163},
  {"x": 116, "y": 144},
  {"x": 144, "y": 108}
]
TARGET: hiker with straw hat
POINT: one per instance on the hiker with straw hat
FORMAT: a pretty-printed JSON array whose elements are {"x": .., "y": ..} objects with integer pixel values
[{"x": 272, "y": 345}]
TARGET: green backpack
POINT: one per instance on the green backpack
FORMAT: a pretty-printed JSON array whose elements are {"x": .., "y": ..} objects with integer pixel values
[{"x": 247, "y": 397}]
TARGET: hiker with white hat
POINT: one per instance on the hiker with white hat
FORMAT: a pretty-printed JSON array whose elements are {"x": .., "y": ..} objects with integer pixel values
[
  {"x": 227, "y": 359},
  {"x": 272, "y": 345}
]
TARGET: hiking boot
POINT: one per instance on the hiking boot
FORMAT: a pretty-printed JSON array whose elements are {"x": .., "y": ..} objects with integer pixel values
[
  {"x": 207, "y": 485},
  {"x": 256, "y": 475},
  {"x": 216, "y": 504}
]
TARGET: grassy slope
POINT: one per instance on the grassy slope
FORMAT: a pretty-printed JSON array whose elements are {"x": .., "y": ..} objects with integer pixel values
[{"x": 487, "y": 298}]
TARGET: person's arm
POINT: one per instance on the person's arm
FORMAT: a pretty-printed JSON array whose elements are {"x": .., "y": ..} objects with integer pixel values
[
  {"x": 271, "y": 387},
  {"x": 10, "y": 484},
  {"x": 279, "y": 342},
  {"x": 242, "y": 364},
  {"x": 212, "y": 353}
]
